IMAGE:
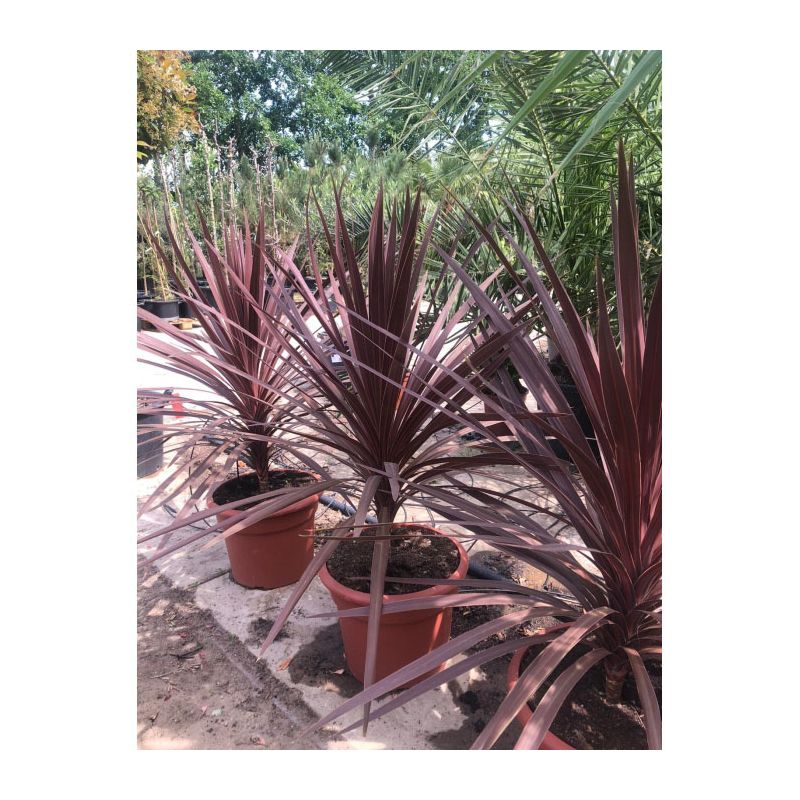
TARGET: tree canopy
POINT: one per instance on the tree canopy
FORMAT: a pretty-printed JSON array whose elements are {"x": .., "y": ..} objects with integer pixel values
[
  {"x": 164, "y": 100},
  {"x": 285, "y": 98}
]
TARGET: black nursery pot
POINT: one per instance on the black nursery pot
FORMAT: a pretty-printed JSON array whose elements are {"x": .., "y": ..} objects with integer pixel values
[
  {"x": 143, "y": 300},
  {"x": 149, "y": 444},
  {"x": 573, "y": 398},
  {"x": 165, "y": 309},
  {"x": 208, "y": 295},
  {"x": 183, "y": 309}
]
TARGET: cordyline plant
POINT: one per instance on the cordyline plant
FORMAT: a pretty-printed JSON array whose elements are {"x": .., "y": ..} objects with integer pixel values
[
  {"x": 390, "y": 413},
  {"x": 241, "y": 363},
  {"x": 613, "y": 501}
]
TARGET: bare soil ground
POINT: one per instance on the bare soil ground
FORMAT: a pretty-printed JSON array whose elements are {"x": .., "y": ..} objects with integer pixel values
[{"x": 200, "y": 688}]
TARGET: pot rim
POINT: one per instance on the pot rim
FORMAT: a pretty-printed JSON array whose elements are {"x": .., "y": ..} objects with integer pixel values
[
  {"x": 362, "y": 598},
  {"x": 294, "y": 507}
]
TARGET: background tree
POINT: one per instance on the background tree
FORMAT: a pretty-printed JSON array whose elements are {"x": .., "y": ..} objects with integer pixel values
[
  {"x": 286, "y": 97},
  {"x": 164, "y": 101}
]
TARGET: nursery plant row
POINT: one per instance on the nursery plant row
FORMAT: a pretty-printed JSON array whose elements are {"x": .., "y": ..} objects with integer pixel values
[{"x": 333, "y": 363}]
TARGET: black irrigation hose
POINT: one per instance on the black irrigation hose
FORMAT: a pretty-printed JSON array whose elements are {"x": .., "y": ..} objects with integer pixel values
[
  {"x": 173, "y": 512},
  {"x": 344, "y": 508}
]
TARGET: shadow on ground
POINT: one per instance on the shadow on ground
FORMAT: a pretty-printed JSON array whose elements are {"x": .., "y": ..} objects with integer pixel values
[{"x": 321, "y": 662}]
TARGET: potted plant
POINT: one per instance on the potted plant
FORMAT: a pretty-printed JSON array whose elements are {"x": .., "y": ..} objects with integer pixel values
[
  {"x": 389, "y": 420},
  {"x": 611, "y": 604},
  {"x": 267, "y": 514},
  {"x": 160, "y": 300},
  {"x": 143, "y": 291}
]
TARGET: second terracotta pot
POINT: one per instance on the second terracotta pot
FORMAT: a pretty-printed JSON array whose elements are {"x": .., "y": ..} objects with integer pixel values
[
  {"x": 275, "y": 551},
  {"x": 404, "y": 636},
  {"x": 550, "y": 741}
]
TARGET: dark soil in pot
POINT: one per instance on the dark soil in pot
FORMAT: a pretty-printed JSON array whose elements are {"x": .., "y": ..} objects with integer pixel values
[
  {"x": 419, "y": 555},
  {"x": 247, "y": 485},
  {"x": 587, "y": 721}
]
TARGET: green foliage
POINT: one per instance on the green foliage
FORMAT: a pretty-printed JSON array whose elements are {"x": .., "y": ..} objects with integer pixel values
[
  {"x": 280, "y": 97},
  {"x": 536, "y": 127}
]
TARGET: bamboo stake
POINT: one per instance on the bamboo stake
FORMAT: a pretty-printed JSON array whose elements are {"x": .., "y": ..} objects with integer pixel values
[
  {"x": 178, "y": 167},
  {"x": 207, "y": 159},
  {"x": 166, "y": 293},
  {"x": 178, "y": 173},
  {"x": 230, "y": 179},
  {"x": 221, "y": 187},
  {"x": 271, "y": 190},
  {"x": 158, "y": 271},
  {"x": 258, "y": 175}
]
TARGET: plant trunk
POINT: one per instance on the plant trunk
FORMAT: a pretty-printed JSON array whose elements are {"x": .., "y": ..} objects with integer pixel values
[
  {"x": 259, "y": 456},
  {"x": 385, "y": 518},
  {"x": 386, "y": 507},
  {"x": 616, "y": 671}
]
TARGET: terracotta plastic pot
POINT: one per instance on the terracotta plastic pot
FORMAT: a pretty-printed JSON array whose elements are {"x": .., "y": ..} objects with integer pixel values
[
  {"x": 550, "y": 741},
  {"x": 274, "y": 551},
  {"x": 404, "y": 636}
]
